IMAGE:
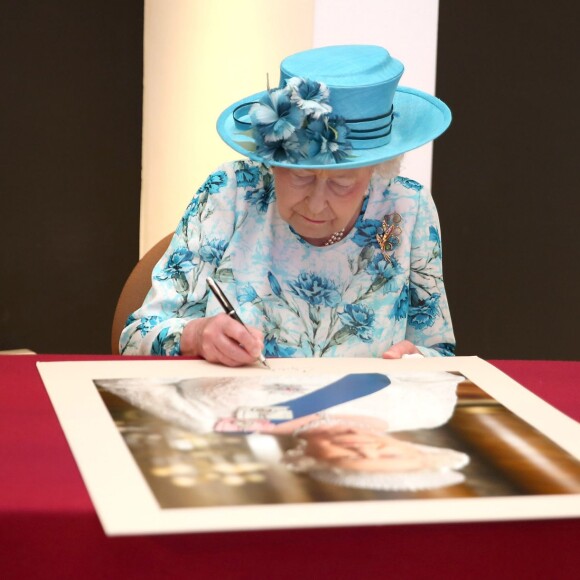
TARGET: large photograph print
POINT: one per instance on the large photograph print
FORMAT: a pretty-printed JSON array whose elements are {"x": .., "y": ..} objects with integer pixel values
[{"x": 316, "y": 442}]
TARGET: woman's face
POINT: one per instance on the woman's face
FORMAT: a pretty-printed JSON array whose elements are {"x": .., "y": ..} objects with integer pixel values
[
  {"x": 320, "y": 202},
  {"x": 364, "y": 450}
]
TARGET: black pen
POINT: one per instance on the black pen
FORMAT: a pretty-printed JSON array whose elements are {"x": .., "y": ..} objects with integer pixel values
[{"x": 229, "y": 310}]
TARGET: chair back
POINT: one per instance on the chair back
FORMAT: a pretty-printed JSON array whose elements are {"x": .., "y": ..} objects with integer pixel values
[{"x": 135, "y": 289}]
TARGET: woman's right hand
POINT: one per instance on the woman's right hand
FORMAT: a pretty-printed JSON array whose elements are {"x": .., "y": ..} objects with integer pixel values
[{"x": 221, "y": 339}]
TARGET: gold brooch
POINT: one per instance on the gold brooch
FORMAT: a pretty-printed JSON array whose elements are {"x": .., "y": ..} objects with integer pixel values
[{"x": 388, "y": 238}]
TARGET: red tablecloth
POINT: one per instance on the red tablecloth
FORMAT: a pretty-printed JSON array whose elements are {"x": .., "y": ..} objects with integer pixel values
[{"x": 49, "y": 529}]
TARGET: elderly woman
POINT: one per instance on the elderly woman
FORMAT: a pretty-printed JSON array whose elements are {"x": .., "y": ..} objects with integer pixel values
[{"x": 322, "y": 248}]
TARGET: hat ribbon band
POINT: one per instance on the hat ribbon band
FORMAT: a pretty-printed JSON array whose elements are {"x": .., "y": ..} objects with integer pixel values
[
  {"x": 362, "y": 138},
  {"x": 388, "y": 116},
  {"x": 373, "y": 130},
  {"x": 370, "y": 124},
  {"x": 243, "y": 109}
]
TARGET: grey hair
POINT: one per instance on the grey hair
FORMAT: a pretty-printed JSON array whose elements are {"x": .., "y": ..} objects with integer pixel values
[{"x": 390, "y": 168}]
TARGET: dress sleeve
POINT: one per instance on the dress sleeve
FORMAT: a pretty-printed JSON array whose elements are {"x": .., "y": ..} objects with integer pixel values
[
  {"x": 178, "y": 293},
  {"x": 429, "y": 321}
]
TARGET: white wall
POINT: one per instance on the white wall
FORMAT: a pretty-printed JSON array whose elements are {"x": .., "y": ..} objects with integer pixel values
[
  {"x": 200, "y": 56},
  {"x": 407, "y": 29}
]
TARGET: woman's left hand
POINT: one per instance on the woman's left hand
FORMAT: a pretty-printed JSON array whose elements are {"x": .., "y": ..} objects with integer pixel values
[{"x": 400, "y": 348}]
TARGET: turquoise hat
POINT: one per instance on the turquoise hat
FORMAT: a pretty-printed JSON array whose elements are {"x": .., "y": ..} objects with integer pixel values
[{"x": 335, "y": 106}]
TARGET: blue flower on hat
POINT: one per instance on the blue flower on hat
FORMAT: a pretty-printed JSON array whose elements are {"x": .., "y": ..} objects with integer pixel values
[
  {"x": 325, "y": 140},
  {"x": 295, "y": 124},
  {"x": 284, "y": 150},
  {"x": 310, "y": 96},
  {"x": 275, "y": 117}
]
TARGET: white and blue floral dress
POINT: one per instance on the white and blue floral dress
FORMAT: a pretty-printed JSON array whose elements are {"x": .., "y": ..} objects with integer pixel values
[{"x": 354, "y": 298}]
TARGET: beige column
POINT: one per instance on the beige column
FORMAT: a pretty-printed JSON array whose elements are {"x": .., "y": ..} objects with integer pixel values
[{"x": 201, "y": 56}]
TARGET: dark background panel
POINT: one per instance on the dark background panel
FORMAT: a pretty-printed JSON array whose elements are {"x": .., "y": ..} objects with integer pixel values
[
  {"x": 504, "y": 173},
  {"x": 70, "y": 108},
  {"x": 505, "y": 176}
]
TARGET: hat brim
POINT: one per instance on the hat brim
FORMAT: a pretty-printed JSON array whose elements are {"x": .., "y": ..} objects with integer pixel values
[{"x": 419, "y": 118}]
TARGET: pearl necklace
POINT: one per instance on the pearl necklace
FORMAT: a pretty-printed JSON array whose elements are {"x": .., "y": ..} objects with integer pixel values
[{"x": 336, "y": 237}]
